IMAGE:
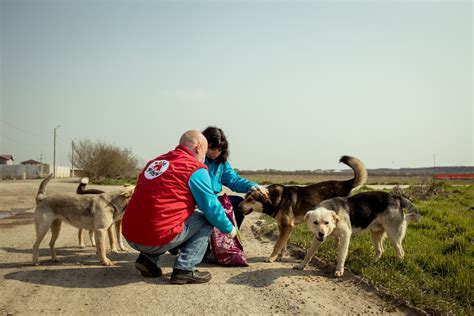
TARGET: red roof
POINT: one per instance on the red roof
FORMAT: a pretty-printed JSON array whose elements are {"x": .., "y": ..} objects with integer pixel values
[{"x": 6, "y": 157}]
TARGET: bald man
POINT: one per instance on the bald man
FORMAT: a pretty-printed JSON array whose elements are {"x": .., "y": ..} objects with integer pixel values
[{"x": 162, "y": 213}]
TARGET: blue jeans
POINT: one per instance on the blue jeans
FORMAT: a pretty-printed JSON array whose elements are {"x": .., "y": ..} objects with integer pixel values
[{"x": 192, "y": 242}]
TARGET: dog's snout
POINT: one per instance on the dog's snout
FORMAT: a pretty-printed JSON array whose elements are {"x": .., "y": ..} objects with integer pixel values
[{"x": 320, "y": 235}]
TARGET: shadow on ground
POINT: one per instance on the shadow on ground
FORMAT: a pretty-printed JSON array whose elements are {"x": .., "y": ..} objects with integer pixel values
[{"x": 80, "y": 268}]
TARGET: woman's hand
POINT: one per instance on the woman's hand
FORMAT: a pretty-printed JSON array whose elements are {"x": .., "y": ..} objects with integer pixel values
[{"x": 261, "y": 189}]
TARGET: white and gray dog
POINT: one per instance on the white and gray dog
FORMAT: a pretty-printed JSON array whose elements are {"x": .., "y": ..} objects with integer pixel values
[{"x": 379, "y": 212}]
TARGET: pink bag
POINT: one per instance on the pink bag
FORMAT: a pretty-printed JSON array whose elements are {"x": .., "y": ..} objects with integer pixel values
[{"x": 224, "y": 250}]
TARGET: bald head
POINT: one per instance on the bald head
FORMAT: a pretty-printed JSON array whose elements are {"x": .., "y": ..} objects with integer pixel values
[{"x": 195, "y": 141}]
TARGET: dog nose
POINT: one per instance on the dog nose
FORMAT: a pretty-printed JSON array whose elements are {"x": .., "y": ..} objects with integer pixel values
[{"x": 320, "y": 235}]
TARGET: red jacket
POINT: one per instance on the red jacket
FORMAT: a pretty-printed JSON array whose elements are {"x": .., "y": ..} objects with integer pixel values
[{"x": 162, "y": 200}]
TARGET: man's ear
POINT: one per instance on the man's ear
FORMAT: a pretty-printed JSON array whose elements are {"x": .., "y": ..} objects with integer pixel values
[{"x": 335, "y": 217}]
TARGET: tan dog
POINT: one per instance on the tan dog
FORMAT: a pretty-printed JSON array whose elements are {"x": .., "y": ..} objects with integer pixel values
[
  {"x": 377, "y": 211},
  {"x": 288, "y": 204},
  {"x": 91, "y": 212},
  {"x": 81, "y": 189}
]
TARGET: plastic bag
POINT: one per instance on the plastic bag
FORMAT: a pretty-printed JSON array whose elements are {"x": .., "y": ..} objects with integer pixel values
[{"x": 224, "y": 250}]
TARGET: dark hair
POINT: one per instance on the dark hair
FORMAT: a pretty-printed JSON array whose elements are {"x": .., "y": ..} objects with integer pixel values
[{"x": 216, "y": 140}]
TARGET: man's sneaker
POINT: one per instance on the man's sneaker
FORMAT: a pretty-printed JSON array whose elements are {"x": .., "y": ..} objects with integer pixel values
[
  {"x": 183, "y": 276},
  {"x": 146, "y": 267}
]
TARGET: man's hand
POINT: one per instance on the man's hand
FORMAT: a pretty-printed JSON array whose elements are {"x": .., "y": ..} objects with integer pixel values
[{"x": 232, "y": 233}]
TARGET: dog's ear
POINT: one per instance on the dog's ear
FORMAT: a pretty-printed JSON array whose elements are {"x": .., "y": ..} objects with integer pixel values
[
  {"x": 335, "y": 217},
  {"x": 306, "y": 216}
]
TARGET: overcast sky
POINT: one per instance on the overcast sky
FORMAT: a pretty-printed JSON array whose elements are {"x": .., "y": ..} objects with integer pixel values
[{"x": 295, "y": 85}]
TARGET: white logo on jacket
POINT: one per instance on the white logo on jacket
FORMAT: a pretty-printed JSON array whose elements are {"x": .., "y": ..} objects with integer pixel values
[{"x": 156, "y": 169}]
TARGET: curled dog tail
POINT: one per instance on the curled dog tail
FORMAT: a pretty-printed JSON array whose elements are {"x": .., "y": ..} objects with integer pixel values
[
  {"x": 81, "y": 188},
  {"x": 41, "y": 191},
  {"x": 360, "y": 173},
  {"x": 412, "y": 214}
]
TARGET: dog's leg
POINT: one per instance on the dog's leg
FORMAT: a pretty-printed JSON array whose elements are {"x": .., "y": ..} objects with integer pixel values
[
  {"x": 377, "y": 239},
  {"x": 55, "y": 229},
  {"x": 42, "y": 224},
  {"x": 113, "y": 242},
  {"x": 100, "y": 242},
  {"x": 342, "y": 253},
  {"x": 92, "y": 238},
  {"x": 309, "y": 254},
  {"x": 396, "y": 235},
  {"x": 80, "y": 233},
  {"x": 118, "y": 231},
  {"x": 281, "y": 242}
]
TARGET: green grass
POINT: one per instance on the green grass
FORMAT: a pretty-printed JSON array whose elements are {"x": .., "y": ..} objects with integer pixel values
[{"x": 438, "y": 270}]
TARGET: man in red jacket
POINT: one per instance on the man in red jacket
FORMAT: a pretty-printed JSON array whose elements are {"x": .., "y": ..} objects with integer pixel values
[{"x": 162, "y": 213}]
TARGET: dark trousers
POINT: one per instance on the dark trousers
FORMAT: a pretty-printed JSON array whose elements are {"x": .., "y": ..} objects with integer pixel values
[{"x": 239, "y": 217}]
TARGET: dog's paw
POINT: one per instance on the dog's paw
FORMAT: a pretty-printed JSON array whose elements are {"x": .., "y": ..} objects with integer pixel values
[
  {"x": 36, "y": 263},
  {"x": 114, "y": 250},
  {"x": 107, "y": 262},
  {"x": 339, "y": 274},
  {"x": 270, "y": 259},
  {"x": 82, "y": 246},
  {"x": 298, "y": 267}
]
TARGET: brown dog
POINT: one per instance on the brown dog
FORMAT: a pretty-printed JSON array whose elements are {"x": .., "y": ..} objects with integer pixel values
[
  {"x": 92, "y": 212},
  {"x": 289, "y": 204}
]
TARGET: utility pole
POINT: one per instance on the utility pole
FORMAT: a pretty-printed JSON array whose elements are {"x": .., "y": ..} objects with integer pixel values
[
  {"x": 72, "y": 158},
  {"x": 41, "y": 164},
  {"x": 54, "y": 153}
]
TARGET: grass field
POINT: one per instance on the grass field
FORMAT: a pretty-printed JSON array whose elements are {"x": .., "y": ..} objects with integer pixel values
[
  {"x": 372, "y": 179},
  {"x": 437, "y": 272}
]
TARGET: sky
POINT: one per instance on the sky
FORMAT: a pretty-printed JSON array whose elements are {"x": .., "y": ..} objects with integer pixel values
[{"x": 293, "y": 84}]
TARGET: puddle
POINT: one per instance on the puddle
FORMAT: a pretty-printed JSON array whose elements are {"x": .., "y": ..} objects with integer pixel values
[{"x": 7, "y": 214}]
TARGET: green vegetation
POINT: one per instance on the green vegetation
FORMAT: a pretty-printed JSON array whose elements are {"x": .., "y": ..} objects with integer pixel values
[{"x": 438, "y": 270}]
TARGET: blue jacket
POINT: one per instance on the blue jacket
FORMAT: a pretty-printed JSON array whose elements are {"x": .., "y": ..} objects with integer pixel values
[
  {"x": 207, "y": 202},
  {"x": 223, "y": 174}
]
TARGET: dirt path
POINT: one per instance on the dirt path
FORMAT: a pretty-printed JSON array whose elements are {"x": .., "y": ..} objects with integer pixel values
[{"x": 79, "y": 284}]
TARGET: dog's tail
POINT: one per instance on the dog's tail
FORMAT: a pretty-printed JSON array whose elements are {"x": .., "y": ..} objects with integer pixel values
[
  {"x": 81, "y": 188},
  {"x": 360, "y": 173},
  {"x": 41, "y": 191},
  {"x": 412, "y": 214}
]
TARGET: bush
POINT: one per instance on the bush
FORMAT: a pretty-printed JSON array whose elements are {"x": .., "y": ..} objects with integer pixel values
[{"x": 101, "y": 160}]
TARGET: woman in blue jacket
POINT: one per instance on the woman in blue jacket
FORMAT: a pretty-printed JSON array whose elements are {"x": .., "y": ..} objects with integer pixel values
[{"x": 221, "y": 171}]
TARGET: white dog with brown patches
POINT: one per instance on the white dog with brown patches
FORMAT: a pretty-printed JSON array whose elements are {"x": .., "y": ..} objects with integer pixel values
[{"x": 379, "y": 212}]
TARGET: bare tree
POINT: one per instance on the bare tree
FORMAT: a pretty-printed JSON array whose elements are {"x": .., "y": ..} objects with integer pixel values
[{"x": 101, "y": 160}]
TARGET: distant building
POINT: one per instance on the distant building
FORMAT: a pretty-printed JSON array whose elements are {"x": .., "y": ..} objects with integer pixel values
[
  {"x": 31, "y": 162},
  {"x": 6, "y": 160}
]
